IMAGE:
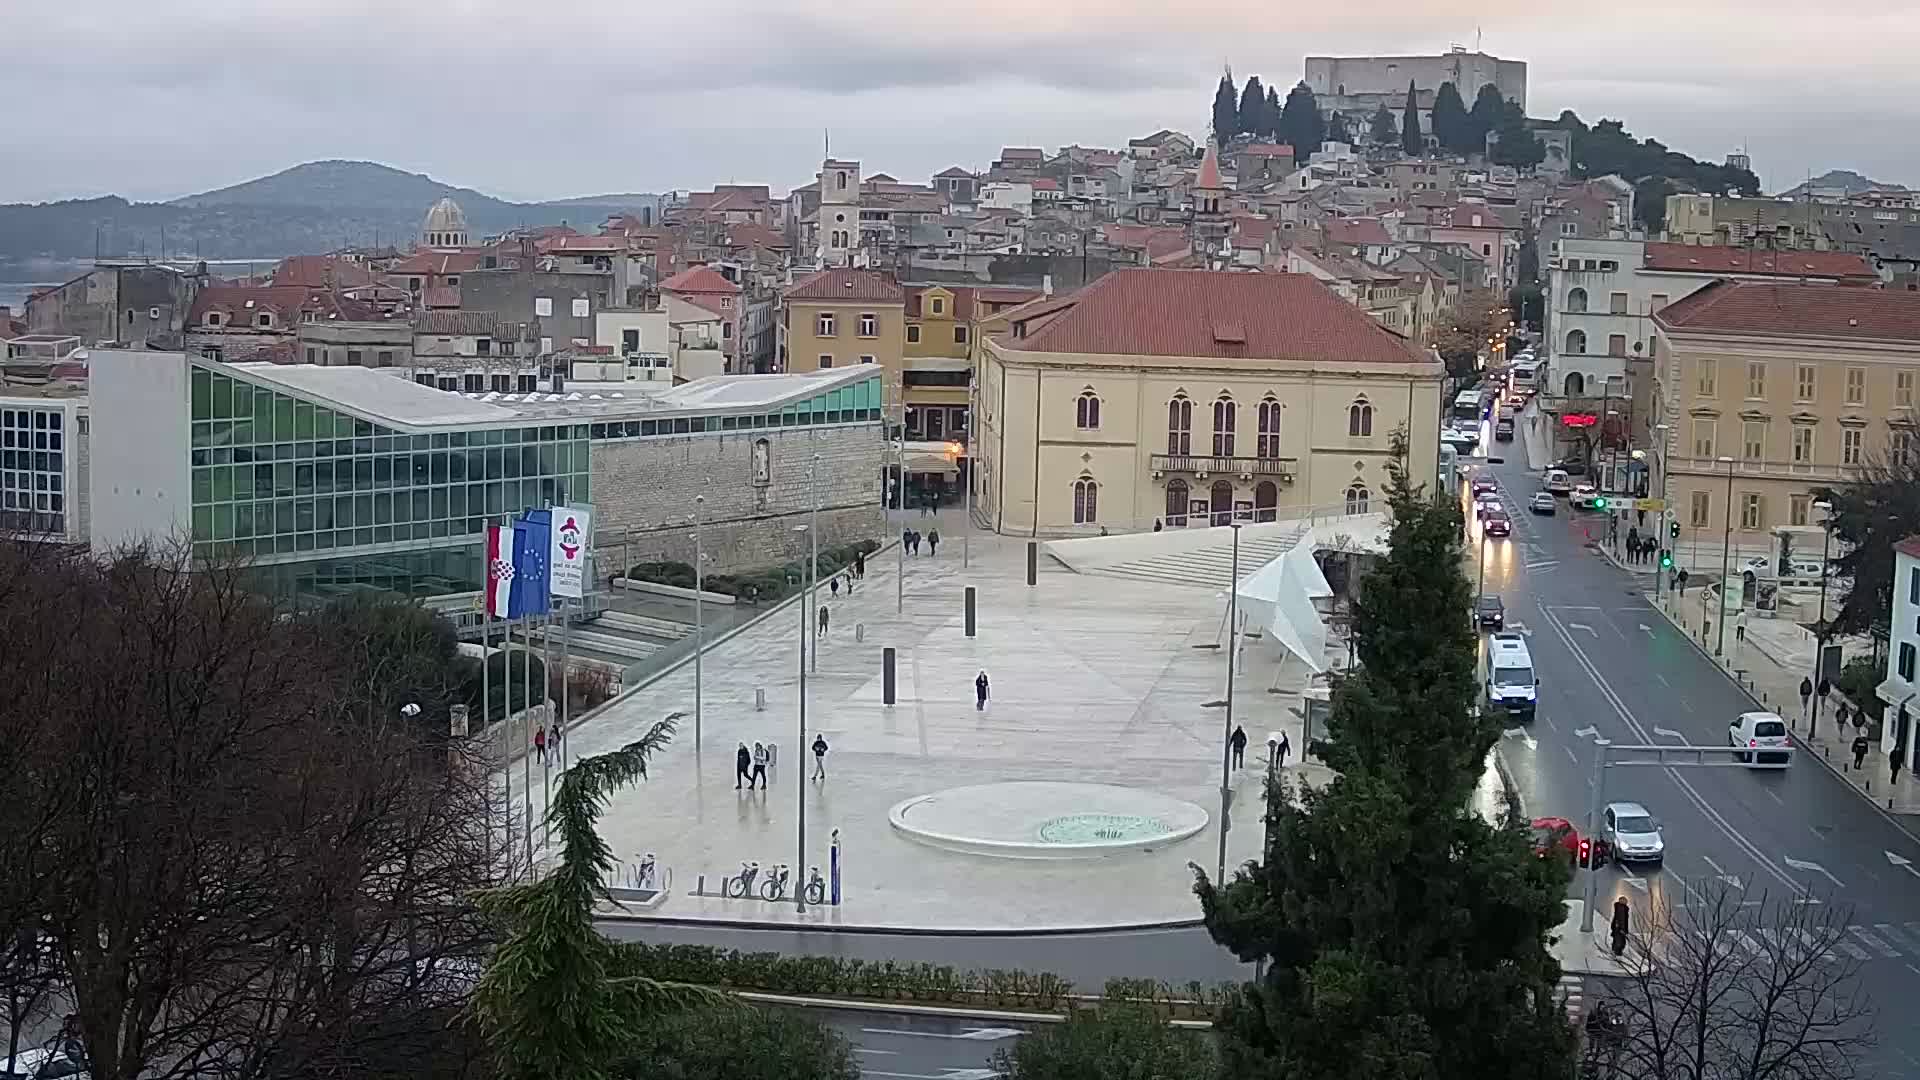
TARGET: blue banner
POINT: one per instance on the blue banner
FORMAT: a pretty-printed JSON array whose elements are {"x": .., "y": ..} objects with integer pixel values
[{"x": 532, "y": 538}]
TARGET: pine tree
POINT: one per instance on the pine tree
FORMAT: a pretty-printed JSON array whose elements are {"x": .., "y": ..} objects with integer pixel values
[
  {"x": 1449, "y": 121},
  {"x": 1488, "y": 106},
  {"x": 1518, "y": 146},
  {"x": 1226, "y": 114},
  {"x": 1382, "y": 128},
  {"x": 1272, "y": 130},
  {"x": 1253, "y": 107},
  {"x": 1337, "y": 129},
  {"x": 1405, "y": 936},
  {"x": 1410, "y": 138},
  {"x": 1300, "y": 122}
]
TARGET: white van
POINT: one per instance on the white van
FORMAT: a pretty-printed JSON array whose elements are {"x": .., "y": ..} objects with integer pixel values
[
  {"x": 1558, "y": 482},
  {"x": 1508, "y": 675}
]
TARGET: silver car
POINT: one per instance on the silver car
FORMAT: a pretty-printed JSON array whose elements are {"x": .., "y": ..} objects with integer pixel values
[{"x": 1632, "y": 835}]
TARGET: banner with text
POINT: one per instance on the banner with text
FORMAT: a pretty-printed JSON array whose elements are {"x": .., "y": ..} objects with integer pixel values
[{"x": 572, "y": 526}]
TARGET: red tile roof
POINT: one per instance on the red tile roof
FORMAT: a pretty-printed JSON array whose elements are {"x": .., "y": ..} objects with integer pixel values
[
  {"x": 954, "y": 171},
  {"x": 1046, "y": 183},
  {"x": 437, "y": 262},
  {"x": 1210, "y": 167},
  {"x": 441, "y": 296},
  {"x": 573, "y": 242},
  {"x": 750, "y": 235},
  {"x": 1207, "y": 313},
  {"x": 1268, "y": 150},
  {"x": 284, "y": 302},
  {"x": 1909, "y": 547},
  {"x": 1779, "y": 309},
  {"x": 699, "y": 279},
  {"x": 1732, "y": 260},
  {"x": 836, "y": 285},
  {"x": 1356, "y": 231},
  {"x": 320, "y": 271}
]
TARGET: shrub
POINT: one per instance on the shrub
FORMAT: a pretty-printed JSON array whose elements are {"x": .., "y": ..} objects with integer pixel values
[
  {"x": 759, "y": 585},
  {"x": 738, "y": 1044},
  {"x": 677, "y": 574},
  {"x": 1858, "y": 677},
  {"x": 834, "y": 976},
  {"x": 587, "y": 685},
  {"x": 1112, "y": 1042}
]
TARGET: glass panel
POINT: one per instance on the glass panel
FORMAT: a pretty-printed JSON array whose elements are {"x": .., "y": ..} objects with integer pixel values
[
  {"x": 222, "y": 484},
  {"x": 243, "y": 520},
  {"x": 223, "y": 523},
  {"x": 202, "y": 395},
  {"x": 303, "y": 420},
  {"x": 202, "y": 485},
  {"x": 222, "y": 397},
  {"x": 202, "y": 523},
  {"x": 263, "y": 416}
]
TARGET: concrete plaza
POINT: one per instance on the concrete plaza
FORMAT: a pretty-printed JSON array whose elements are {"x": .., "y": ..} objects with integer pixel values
[{"x": 1094, "y": 681}]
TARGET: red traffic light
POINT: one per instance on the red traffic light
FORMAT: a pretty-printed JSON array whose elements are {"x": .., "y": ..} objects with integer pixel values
[{"x": 1586, "y": 851}]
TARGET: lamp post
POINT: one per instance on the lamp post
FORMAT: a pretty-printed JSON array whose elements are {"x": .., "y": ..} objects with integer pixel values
[
  {"x": 1226, "y": 739},
  {"x": 1726, "y": 559},
  {"x": 900, "y": 496},
  {"x": 1826, "y": 547},
  {"x": 1666, "y": 534},
  {"x": 699, "y": 612},
  {"x": 800, "y": 745}
]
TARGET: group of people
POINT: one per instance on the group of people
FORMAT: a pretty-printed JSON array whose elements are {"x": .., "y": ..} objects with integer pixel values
[
  {"x": 540, "y": 742},
  {"x": 1238, "y": 743},
  {"x": 751, "y": 765},
  {"x": 1641, "y": 549},
  {"x": 911, "y": 540}
]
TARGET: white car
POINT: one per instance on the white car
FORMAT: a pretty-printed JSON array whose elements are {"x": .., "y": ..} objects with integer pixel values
[
  {"x": 41, "y": 1064},
  {"x": 1632, "y": 835},
  {"x": 1768, "y": 568},
  {"x": 1763, "y": 738},
  {"x": 1583, "y": 496}
]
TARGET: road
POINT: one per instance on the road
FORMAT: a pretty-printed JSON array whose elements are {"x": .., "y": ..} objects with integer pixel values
[
  {"x": 889, "y": 1046},
  {"x": 1610, "y": 667}
]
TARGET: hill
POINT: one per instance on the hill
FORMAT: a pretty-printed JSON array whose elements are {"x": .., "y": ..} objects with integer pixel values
[
  {"x": 1844, "y": 180},
  {"x": 314, "y": 207}
]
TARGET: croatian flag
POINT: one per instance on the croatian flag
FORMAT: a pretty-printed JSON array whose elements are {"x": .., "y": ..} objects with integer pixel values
[
  {"x": 532, "y": 540},
  {"x": 499, "y": 570}
]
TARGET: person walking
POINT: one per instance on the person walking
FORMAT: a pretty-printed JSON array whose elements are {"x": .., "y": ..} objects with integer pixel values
[
  {"x": 1620, "y": 915},
  {"x": 823, "y": 620},
  {"x": 906, "y": 539},
  {"x": 933, "y": 543},
  {"x": 742, "y": 767},
  {"x": 1633, "y": 545},
  {"x": 860, "y": 564},
  {"x": 760, "y": 759},
  {"x": 980, "y": 690},
  {"x": 1740, "y": 627},
  {"x": 1238, "y": 741},
  {"x": 833, "y": 586},
  {"x": 1860, "y": 746},
  {"x": 540, "y": 744},
  {"x": 819, "y": 756},
  {"x": 1286, "y": 747}
]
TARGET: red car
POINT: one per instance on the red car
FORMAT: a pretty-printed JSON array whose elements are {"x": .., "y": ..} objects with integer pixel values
[{"x": 1557, "y": 838}]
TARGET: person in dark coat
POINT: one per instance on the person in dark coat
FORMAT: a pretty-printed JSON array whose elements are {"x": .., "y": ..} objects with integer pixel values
[
  {"x": 860, "y": 565},
  {"x": 819, "y": 757},
  {"x": 742, "y": 766},
  {"x": 1620, "y": 915},
  {"x": 933, "y": 543},
  {"x": 1238, "y": 740},
  {"x": 980, "y": 690},
  {"x": 1860, "y": 747}
]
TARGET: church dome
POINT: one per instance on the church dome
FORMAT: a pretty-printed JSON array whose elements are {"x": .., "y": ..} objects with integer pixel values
[{"x": 445, "y": 226}]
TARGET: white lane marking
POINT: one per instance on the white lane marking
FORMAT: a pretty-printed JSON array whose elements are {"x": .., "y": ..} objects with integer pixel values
[
  {"x": 1894, "y": 935},
  {"x": 1774, "y": 797},
  {"x": 1648, "y": 629},
  {"x": 1903, "y": 863},
  {"x": 1583, "y": 626},
  {"x": 1814, "y": 946},
  {"x": 1587, "y": 732},
  {"x": 1851, "y": 949},
  {"x": 871, "y": 1050},
  {"x": 971, "y": 1034},
  {"x": 1571, "y": 756},
  {"x": 1747, "y": 942},
  {"x": 1732, "y": 880},
  {"x": 1521, "y": 734},
  {"x": 1669, "y": 733},
  {"x": 1879, "y": 946}
]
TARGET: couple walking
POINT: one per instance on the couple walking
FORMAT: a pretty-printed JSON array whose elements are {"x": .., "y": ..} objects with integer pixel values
[{"x": 1238, "y": 741}]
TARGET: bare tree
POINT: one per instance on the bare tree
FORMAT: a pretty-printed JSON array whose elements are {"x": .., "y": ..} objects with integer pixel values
[{"x": 1731, "y": 985}]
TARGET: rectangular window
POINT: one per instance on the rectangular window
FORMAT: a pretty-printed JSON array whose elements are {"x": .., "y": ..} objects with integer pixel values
[
  {"x": 823, "y": 326},
  {"x": 1756, "y": 379},
  {"x": 1913, "y": 586},
  {"x": 1803, "y": 382},
  {"x": 1617, "y": 304},
  {"x": 1903, "y": 387},
  {"x": 1906, "y": 660},
  {"x": 1616, "y": 344},
  {"x": 1797, "y": 507},
  {"x": 1754, "y": 440},
  {"x": 629, "y": 342},
  {"x": 1705, "y": 384},
  {"x": 1803, "y": 444},
  {"x": 913, "y": 335},
  {"x": 869, "y": 324},
  {"x": 959, "y": 335},
  {"x": 1753, "y": 510},
  {"x": 1850, "y": 440},
  {"x": 1856, "y": 386},
  {"x": 826, "y": 360},
  {"x": 866, "y": 359},
  {"x": 1699, "y": 509},
  {"x": 1703, "y": 438},
  {"x": 1659, "y": 301},
  {"x": 313, "y": 355}
]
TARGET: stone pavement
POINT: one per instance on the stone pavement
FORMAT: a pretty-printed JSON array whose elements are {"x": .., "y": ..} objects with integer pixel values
[
  {"x": 1775, "y": 655},
  {"x": 1094, "y": 680}
]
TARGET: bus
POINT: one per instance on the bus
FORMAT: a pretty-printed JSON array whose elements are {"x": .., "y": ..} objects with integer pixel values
[{"x": 1468, "y": 407}]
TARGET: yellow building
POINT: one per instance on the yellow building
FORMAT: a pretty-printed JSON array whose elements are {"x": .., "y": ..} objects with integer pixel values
[
  {"x": 1771, "y": 389},
  {"x": 1190, "y": 397},
  {"x": 838, "y": 318},
  {"x": 944, "y": 325}
]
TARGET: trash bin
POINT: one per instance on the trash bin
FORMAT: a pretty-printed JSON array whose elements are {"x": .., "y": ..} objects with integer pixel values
[{"x": 759, "y": 699}]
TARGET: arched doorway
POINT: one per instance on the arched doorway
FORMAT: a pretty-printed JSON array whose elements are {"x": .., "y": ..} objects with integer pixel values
[
  {"x": 1576, "y": 384},
  {"x": 1220, "y": 502},
  {"x": 1176, "y": 502},
  {"x": 1266, "y": 501}
]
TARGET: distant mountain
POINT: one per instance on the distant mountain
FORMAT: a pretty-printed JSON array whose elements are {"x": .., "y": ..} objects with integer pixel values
[
  {"x": 1844, "y": 179},
  {"x": 309, "y": 208}
]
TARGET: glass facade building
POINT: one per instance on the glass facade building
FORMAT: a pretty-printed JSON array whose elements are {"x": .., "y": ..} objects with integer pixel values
[{"x": 33, "y": 469}]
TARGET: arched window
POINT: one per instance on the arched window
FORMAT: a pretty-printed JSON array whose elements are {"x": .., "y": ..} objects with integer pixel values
[
  {"x": 1360, "y": 419},
  {"x": 1576, "y": 384},
  {"x": 1086, "y": 501},
  {"x": 1576, "y": 299},
  {"x": 1357, "y": 496},
  {"x": 1086, "y": 411},
  {"x": 1576, "y": 342},
  {"x": 1180, "y": 425},
  {"x": 1176, "y": 502},
  {"x": 1225, "y": 412},
  {"x": 1268, "y": 444},
  {"x": 1266, "y": 501}
]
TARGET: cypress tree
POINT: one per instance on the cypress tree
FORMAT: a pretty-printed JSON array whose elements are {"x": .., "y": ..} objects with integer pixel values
[
  {"x": 1410, "y": 139},
  {"x": 1450, "y": 119},
  {"x": 1253, "y": 107},
  {"x": 1226, "y": 113},
  {"x": 1272, "y": 130},
  {"x": 1300, "y": 122},
  {"x": 1382, "y": 128},
  {"x": 1488, "y": 106},
  {"x": 1337, "y": 129}
]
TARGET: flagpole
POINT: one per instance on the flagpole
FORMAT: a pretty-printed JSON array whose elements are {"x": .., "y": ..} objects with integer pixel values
[
  {"x": 486, "y": 703},
  {"x": 546, "y": 698},
  {"x": 566, "y": 669},
  {"x": 526, "y": 728}
]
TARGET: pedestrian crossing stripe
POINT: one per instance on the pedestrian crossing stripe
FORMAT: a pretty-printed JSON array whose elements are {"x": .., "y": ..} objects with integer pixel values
[
  {"x": 1875, "y": 943},
  {"x": 1897, "y": 938}
]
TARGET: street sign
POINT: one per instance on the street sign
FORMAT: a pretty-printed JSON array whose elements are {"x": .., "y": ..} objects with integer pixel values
[{"x": 1652, "y": 506}]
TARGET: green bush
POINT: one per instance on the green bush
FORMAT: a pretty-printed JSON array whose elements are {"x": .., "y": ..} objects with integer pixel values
[
  {"x": 677, "y": 574},
  {"x": 1112, "y": 1042},
  {"x": 760, "y": 585},
  {"x": 1857, "y": 679},
  {"x": 738, "y": 1044},
  {"x": 833, "y": 976}
]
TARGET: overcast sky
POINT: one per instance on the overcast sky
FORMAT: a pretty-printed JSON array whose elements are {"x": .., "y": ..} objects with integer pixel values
[{"x": 575, "y": 97}]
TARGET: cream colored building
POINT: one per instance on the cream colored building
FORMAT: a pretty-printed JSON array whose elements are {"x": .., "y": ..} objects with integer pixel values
[
  {"x": 839, "y": 318},
  {"x": 1193, "y": 397},
  {"x": 1795, "y": 385}
]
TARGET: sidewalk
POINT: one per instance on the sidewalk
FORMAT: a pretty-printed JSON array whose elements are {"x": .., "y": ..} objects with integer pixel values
[{"x": 1769, "y": 666}]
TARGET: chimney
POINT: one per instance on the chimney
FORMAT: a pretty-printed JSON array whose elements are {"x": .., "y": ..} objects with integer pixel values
[{"x": 1046, "y": 285}]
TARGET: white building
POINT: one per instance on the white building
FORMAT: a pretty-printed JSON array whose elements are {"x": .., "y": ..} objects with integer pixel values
[
  {"x": 1903, "y": 646},
  {"x": 43, "y": 448},
  {"x": 1014, "y": 195}
]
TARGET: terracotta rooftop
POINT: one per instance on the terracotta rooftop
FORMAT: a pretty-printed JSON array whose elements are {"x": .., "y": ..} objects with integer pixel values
[
  {"x": 1209, "y": 167},
  {"x": 321, "y": 271},
  {"x": 457, "y": 323},
  {"x": 1780, "y": 309},
  {"x": 441, "y": 296},
  {"x": 1732, "y": 260},
  {"x": 1909, "y": 547},
  {"x": 1356, "y": 231},
  {"x": 699, "y": 279},
  {"x": 239, "y": 303},
  {"x": 1206, "y": 313},
  {"x": 1267, "y": 150},
  {"x": 437, "y": 262},
  {"x": 837, "y": 285}
]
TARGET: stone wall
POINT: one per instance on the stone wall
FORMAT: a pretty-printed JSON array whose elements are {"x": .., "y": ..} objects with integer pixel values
[{"x": 644, "y": 490}]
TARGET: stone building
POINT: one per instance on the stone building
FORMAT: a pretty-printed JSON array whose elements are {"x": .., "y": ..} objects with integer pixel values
[
  {"x": 445, "y": 226},
  {"x": 130, "y": 303},
  {"x": 1354, "y": 76}
]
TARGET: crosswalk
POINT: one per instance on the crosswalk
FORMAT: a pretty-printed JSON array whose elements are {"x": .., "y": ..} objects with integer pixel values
[
  {"x": 1860, "y": 942},
  {"x": 1573, "y": 991}
]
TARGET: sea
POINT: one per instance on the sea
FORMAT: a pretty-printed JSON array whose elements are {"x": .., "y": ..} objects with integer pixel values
[{"x": 19, "y": 280}]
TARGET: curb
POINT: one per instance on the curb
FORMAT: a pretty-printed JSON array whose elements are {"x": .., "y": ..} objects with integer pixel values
[
  {"x": 899, "y": 931},
  {"x": 953, "y": 1011},
  {"x": 1506, "y": 774}
]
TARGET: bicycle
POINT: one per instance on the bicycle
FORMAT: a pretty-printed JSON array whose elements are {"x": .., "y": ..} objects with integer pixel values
[
  {"x": 816, "y": 888},
  {"x": 775, "y": 887},
  {"x": 741, "y": 887}
]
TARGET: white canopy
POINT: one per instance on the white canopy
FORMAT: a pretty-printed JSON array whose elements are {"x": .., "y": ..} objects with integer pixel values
[{"x": 1278, "y": 598}]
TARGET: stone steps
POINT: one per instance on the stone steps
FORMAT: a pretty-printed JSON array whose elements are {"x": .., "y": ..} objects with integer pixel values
[{"x": 630, "y": 623}]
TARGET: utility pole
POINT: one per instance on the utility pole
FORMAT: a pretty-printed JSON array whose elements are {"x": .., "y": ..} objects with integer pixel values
[{"x": 1226, "y": 740}]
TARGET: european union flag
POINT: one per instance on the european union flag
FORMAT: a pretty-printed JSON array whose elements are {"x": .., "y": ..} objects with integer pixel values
[{"x": 532, "y": 580}]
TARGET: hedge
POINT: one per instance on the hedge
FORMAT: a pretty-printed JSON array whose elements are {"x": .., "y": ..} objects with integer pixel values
[{"x": 768, "y": 584}]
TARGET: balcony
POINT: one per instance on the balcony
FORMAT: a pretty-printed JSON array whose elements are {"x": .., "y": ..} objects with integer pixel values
[{"x": 1225, "y": 466}]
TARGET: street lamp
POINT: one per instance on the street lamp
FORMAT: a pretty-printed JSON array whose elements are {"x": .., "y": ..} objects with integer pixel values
[
  {"x": 1726, "y": 556},
  {"x": 1666, "y": 535},
  {"x": 699, "y": 612},
  {"x": 1826, "y": 545},
  {"x": 800, "y": 745},
  {"x": 1226, "y": 740}
]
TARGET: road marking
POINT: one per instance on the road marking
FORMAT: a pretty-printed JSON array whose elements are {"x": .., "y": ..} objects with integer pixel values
[
  {"x": 1732, "y": 880},
  {"x": 1897, "y": 937},
  {"x": 1587, "y": 732},
  {"x": 1851, "y": 949},
  {"x": 1648, "y": 629},
  {"x": 1583, "y": 626},
  {"x": 971, "y": 1034},
  {"x": 1662, "y": 678},
  {"x": 1636, "y": 883},
  {"x": 1903, "y": 863},
  {"x": 1879, "y": 946},
  {"x": 1669, "y": 733},
  {"x": 1774, "y": 797},
  {"x": 1520, "y": 628},
  {"x": 1571, "y": 756},
  {"x": 871, "y": 1050},
  {"x": 1521, "y": 734},
  {"x": 1747, "y": 942},
  {"x": 1814, "y": 946},
  {"x": 1813, "y": 868}
]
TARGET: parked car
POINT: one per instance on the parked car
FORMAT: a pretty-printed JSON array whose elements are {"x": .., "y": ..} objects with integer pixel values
[
  {"x": 42, "y": 1064},
  {"x": 1557, "y": 482},
  {"x": 1763, "y": 735},
  {"x": 1808, "y": 569},
  {"x": 1632, "y": 835},
  {"x": 1555, "y": 837},
  {"x": 1541, "y": 503},
  {"x": 1498, "y": 523},
  {"x": 1490, "y": 612},
  {"x": 1483, "y": 485}
]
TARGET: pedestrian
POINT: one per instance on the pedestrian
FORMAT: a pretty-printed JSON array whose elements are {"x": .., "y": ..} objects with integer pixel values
[
  {"x": 1238, "y": 742},
  {"x": 1740, "y": 626},
  {"x": 860, "y": 564},
  {"x": 1683, "y": 583},
  {"x": 1840, "y": 715},
  {"x": 742, "y": 767},
  {"x": 980, "y": 690},
  {"x": 1286, "y": 747},
  {"x": 819, "y": 756},
  {"x": 1806, "y": 694},
  {"x": 1156, "y": 524},
  {"x": 1633, "y": 543},
  {"x": 823, "y": 619},
  {"x": 1893, "y": 764},
  {"x": 1860, "y": 746},
  {"x": 933, "y": 543},
  {"x": 1620, "y": 915},
  {"x": 913, "y": 543},
  {"x": 906, "y": 539},
  {"x": 760, "y": 758},
  {"x": 540, "y": 744},
  {"x": 851, "y": 578},
  {"x": 833, "y": 586}
]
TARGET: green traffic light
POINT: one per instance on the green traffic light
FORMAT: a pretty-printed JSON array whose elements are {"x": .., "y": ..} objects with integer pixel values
[
  {"x": 1600, "y": 503},
  {"x": 1666, "y": 561}
]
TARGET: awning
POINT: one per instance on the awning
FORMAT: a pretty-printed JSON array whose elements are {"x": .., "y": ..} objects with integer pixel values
[{"x": 1278, "y": 598}]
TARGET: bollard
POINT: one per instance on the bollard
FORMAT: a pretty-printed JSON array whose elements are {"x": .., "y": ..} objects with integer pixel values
[
  {"x": 970, "y": 626},
  {"x": 700, "y": 886},
  {"x": 886, "y": 676},
  {"x": 1033, "y": 562},
  {"x": 859, "y": 631},
  {"x": 759, "y": 699}
]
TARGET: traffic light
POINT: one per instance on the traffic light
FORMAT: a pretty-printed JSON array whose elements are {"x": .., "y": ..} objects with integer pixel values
[
  {"x": 1673, "y": 528},
  {"x": 1599, "y": 502},
  {"x": 1666, "y": 559},
  {"x": 1586, "y": 850}
]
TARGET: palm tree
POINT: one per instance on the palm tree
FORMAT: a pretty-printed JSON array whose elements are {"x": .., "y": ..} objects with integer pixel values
[{"x": 552, "y": 1003}]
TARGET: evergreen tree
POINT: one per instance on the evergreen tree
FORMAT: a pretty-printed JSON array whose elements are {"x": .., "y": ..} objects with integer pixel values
[
  {"x": 1300, "y": 122},
  {"x": 1382, "y": 128},
  {"x": 1518, "y": 146},
  {"x": 1253, "y": 108},
  {"x": 1337, "y": 129},
  {"x": 1488, "y": 107},
  {"x": 1410, "y": 138},
  {"x": 1405, "y": 936},
  {"x": 1450, "y": 119},
  {"x": 1272, "y": 130},
  {"x": 1226, "y": 113}
]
